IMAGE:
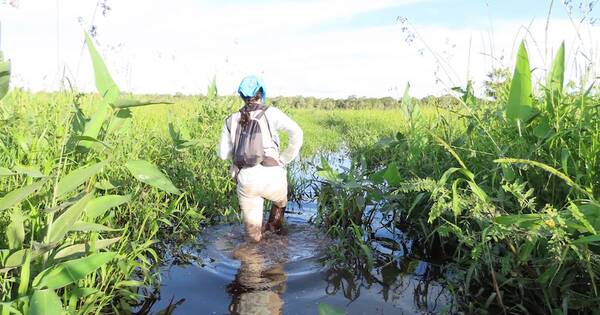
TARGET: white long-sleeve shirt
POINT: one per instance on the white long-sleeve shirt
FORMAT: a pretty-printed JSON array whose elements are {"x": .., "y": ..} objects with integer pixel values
[{"x": 277, "y": 121}]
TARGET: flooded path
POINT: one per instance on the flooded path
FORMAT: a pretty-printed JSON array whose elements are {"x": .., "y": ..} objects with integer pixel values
[{"x": 288, "y": 274}]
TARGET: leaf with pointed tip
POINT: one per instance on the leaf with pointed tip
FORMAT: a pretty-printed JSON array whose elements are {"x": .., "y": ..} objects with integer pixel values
[
  {"x": 45, "y": 302},
  {"x": 556, "y": 78},
  {"x": 98, "y": 206},
  {"x": 71, "y": 271},
  {"x": 18, "y": 195},
  {"x": 77, "y": 177},
  {"x": 146, "y": 172},
  {"x": 105, "y": 85},
  {"x": 64, "y": 223},
  {"x": 520, "y": 102}
]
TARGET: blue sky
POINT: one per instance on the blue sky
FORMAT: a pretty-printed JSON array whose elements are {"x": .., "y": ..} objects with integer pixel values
[{"x": 327, "y": 48}]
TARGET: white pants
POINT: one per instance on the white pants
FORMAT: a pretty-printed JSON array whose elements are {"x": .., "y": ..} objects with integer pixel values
[{"x": 254, "y": 184}]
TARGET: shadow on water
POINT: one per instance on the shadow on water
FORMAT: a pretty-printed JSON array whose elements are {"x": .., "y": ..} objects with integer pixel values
[{"x": 292, "y": 273}]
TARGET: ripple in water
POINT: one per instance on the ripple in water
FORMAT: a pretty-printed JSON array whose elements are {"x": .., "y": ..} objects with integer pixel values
[{"x": 299, "y": 249}]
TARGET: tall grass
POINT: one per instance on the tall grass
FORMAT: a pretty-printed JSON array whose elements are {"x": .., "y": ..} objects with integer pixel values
[{"x": 505, "y": 192}]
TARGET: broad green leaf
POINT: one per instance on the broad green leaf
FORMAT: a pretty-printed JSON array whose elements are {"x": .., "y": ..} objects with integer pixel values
[
  {"x": 542, "y": 130},
  {"x": 45, "y": 302},
  {"x": 77, "y": 177},
  {"x": 105, "y": 85},
  {"x": 93, "y": 127},
  {"x": 63, "y": 274},
  {"x": 525, "y": 251},
  {"x": 557, "y": 74},
  {"x": 556, "y": 77},
  {"x": 80, "y": 249},
  {"x": 78, "y": 121},
  {"x": 19, "y": 257},
  {"x": 92, "y": 140},
  {"x": 30, "y": 171},
  {"x": 522, "y": 220},
  {"x": 546, "y": 168},
  {"x": 469, "y": 96},
  {"x": 18, "y": 195},
  {"x": 520, "y": 103},
  {"x": 579, "y": 216},
  {"x": 105, "y": 184},
  {"x": 146, "y": 172},
  {"x": 478, "y": 191},
  {"x": 326, "y": 309},
  {"x": 107, "y": 89},
  {"x": 4, "y": 77},
  {"x": 456, "y": 209},
  {"x": 329, "y": 175},
  {"x": 98, "y": 206},
  {"x": 326, "y": 172},
  {"x": 83, "y": 292},
  {"x": 587, "y": 239},
  {"x": 119, "y": 120},
  {"x": 63, "y": 224},
  {"x": 67, "y": 203},
  {"x": 127, "y": 103},
  {"x": 392, "y": 175},
  {"x": 25, "y": 274},
  {"x": 6, "y": 172},
  {"x": 15, "y": 231}
]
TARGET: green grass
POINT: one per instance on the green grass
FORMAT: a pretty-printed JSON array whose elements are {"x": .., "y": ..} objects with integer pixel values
[{"x": 505, "y": 192}]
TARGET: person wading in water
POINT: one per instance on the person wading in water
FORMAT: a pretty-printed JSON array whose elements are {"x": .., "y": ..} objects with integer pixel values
[{"x": 250, "y": 138}]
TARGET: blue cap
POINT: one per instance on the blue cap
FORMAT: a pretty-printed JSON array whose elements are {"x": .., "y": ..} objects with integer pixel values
[{"x": 250, "y": 86}]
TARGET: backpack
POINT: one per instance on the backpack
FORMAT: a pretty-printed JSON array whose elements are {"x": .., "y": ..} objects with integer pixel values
[{"x": 248, "y": 148}]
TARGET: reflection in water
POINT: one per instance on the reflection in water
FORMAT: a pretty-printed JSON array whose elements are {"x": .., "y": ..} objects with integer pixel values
[
  {"x": 293, "y": 273},
  {"x": 260, "y": 280}
]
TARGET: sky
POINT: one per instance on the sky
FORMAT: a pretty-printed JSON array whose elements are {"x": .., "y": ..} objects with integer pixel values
[{"x": 322, "y": 48}]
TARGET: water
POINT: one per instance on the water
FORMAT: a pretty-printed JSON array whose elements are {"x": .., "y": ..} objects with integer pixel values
[{"x": 287, "y": 274}]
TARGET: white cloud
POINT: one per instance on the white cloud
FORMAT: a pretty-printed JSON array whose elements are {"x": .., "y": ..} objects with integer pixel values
[{"x": 163, "y": 47}]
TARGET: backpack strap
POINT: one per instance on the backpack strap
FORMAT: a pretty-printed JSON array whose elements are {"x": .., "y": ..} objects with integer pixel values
[{"x": 262, "y": 113}]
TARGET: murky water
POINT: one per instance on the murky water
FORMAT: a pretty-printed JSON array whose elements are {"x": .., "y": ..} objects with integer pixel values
[{"x": 287, "y": 274}]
